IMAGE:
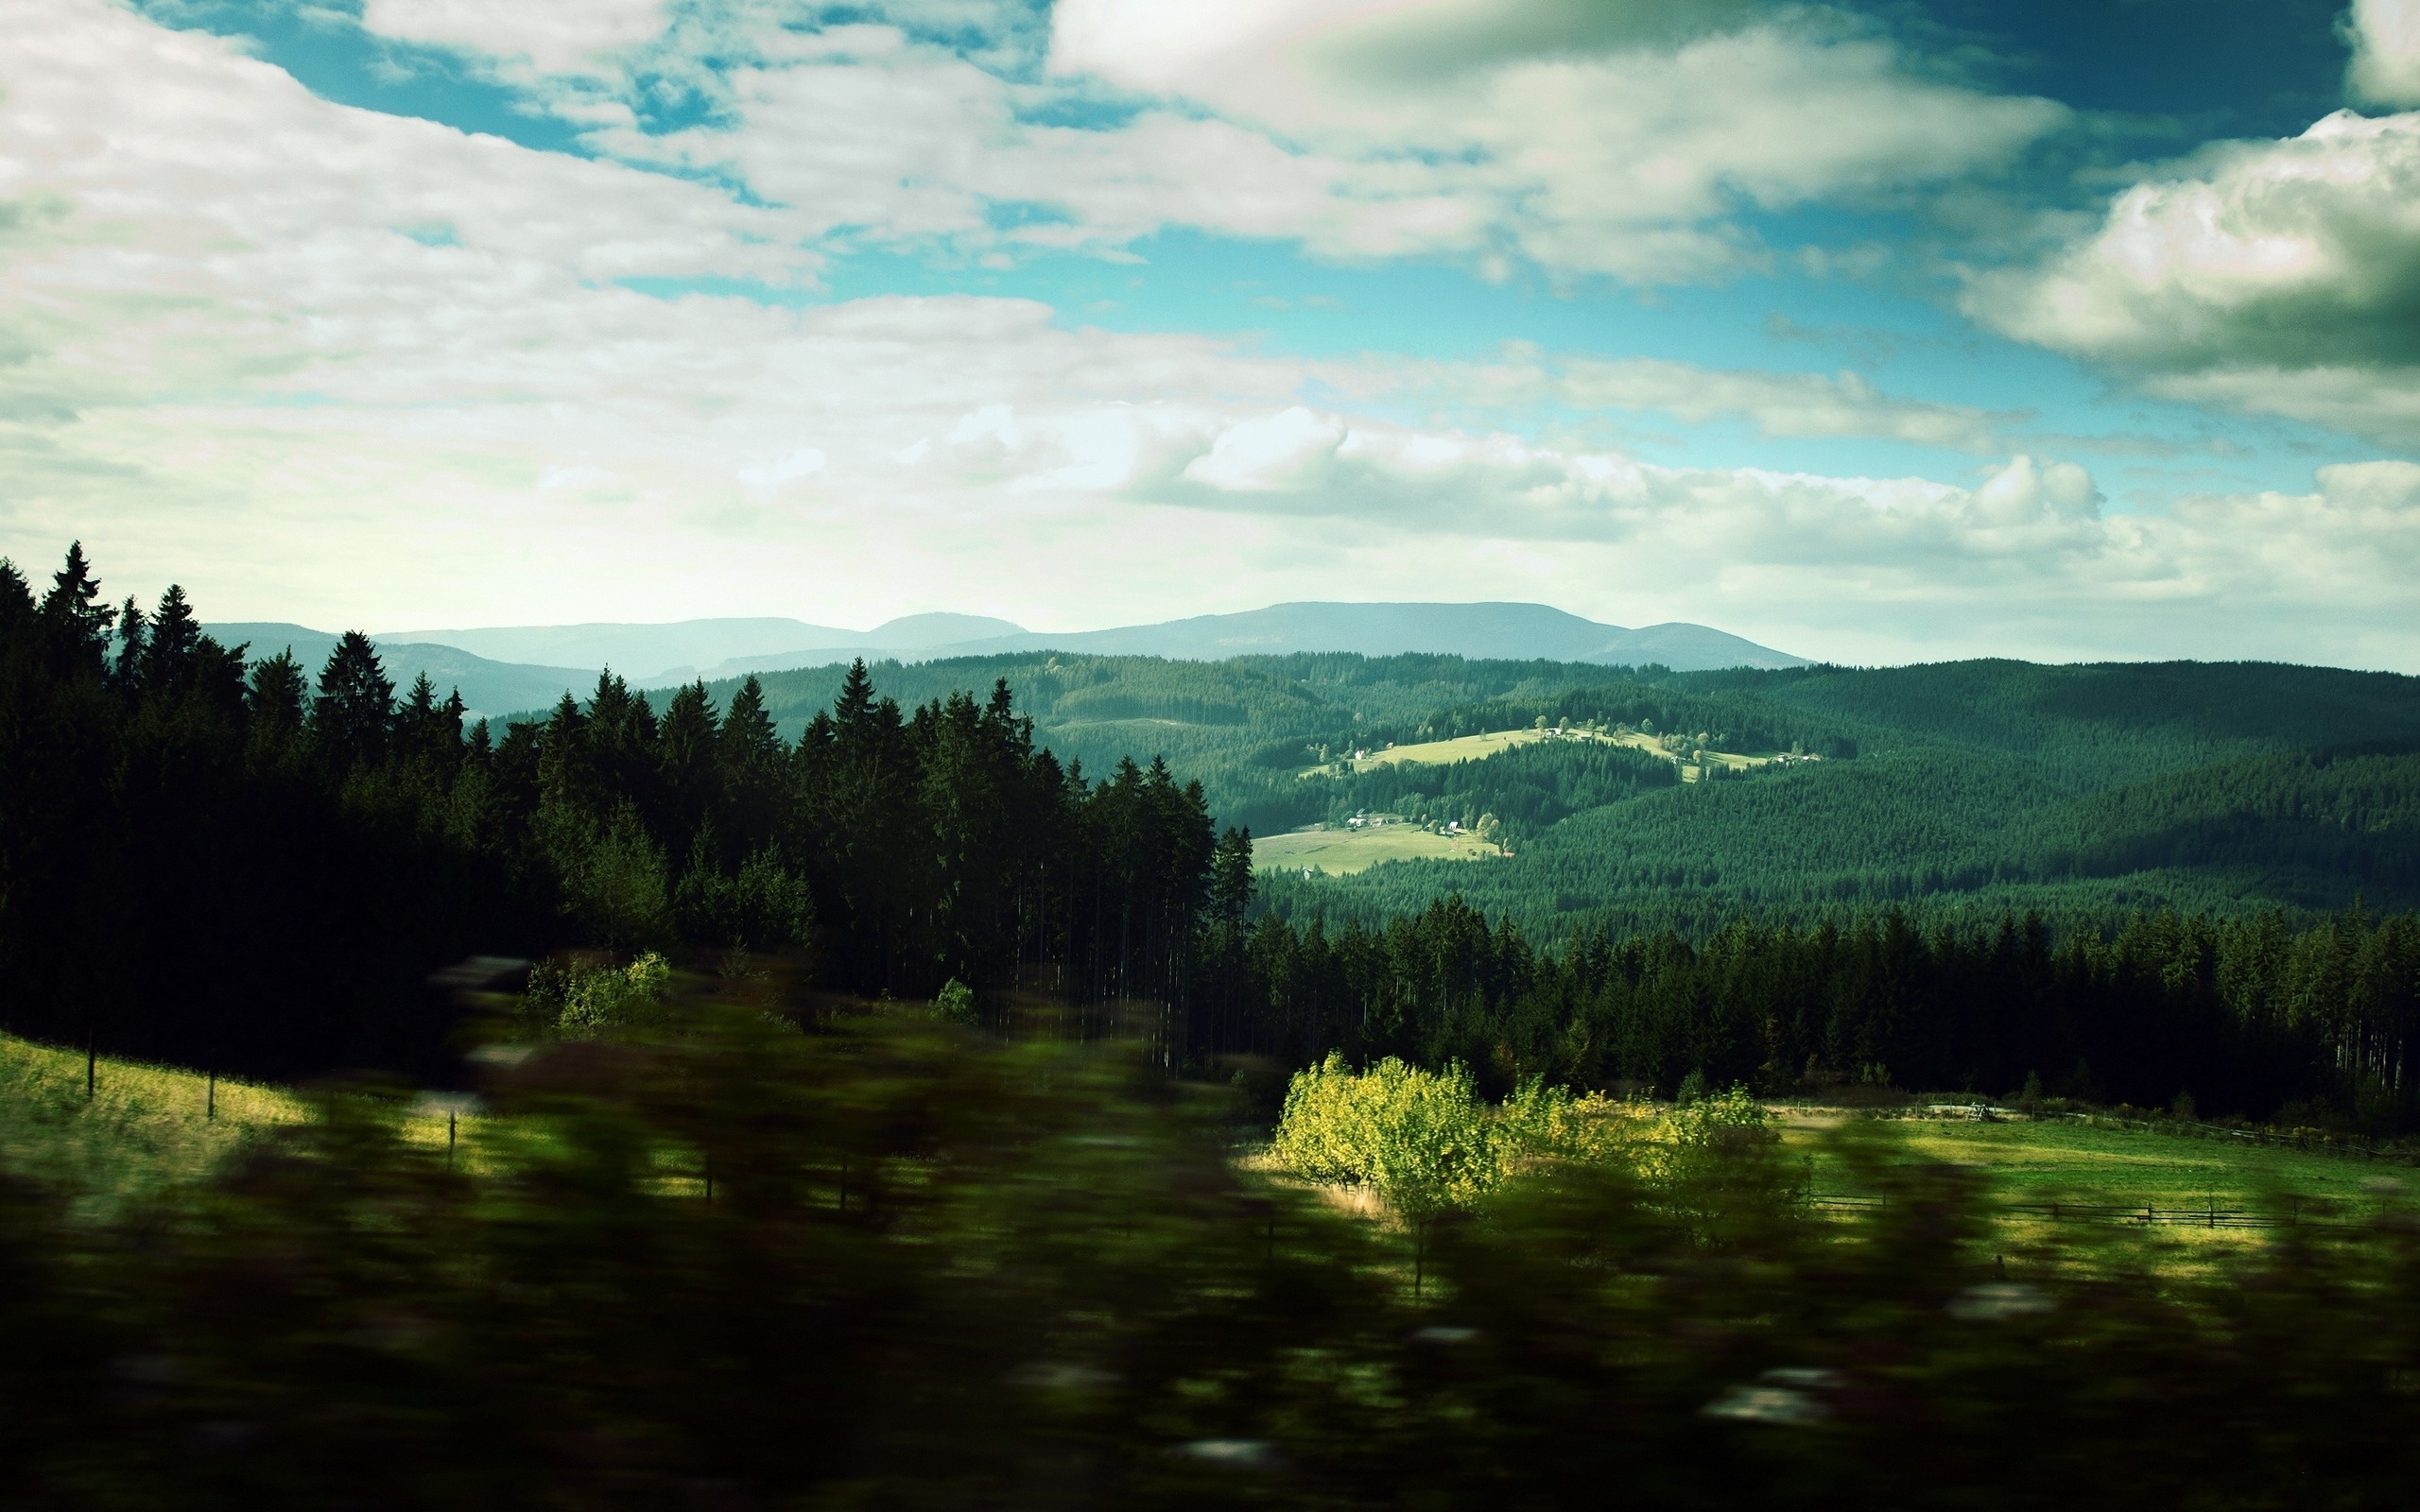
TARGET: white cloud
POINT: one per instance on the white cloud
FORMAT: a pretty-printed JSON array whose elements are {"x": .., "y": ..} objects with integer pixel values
[
  {"x": 553, "y": 38},
  {"x": 2263, "y": 272},
  {"x": 1780, "y": 404},
  {"x": 1633, "y": 150},
  {"x": 1632, "y": 160},
  {"x": 2386, "y": 51}
]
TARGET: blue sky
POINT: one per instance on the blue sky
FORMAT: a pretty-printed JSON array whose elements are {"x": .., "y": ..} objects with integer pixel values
[{"x": 1876, "y": 332}]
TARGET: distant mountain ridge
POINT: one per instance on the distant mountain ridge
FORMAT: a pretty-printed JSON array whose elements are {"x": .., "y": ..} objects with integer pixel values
[
  {"x": 488, "y": 688},
  {"x": 503, "y": 669},
  {"x": 1481, "y": 632}
]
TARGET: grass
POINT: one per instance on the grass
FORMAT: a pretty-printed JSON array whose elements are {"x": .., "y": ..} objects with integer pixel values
[
  {"x": 1478, "y": 747},
  {"x": 2086, "y": 1165},
  {"x": 144, "y": 1129},
  {"x": 1342, "y": 852}
]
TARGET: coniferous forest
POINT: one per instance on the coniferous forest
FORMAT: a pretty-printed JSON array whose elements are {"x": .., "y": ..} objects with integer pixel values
[{"x": 243, "y": 863}]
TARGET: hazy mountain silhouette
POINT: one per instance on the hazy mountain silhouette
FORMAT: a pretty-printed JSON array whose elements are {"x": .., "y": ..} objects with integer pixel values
[{"x": 510, "y": 668}]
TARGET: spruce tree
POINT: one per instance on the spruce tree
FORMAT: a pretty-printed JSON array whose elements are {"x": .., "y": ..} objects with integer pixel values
[
  {"x": 176, "y": 635},
  {"x": 353, "y": 713},
  {"x": 275, "y": 697},
  {"x": 77, "y": 620},
  {"x": 132, "y": 637},
  {"x": 749, "y": 742},
  {"x": 1231, "y": 878}
]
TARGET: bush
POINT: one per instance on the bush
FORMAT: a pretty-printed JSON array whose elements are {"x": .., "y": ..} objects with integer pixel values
[
  {"x": 955, "y": 1003},
  {"x": 578, "y": 1003}
]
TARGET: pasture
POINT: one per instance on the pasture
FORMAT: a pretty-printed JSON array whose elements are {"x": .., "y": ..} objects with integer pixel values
[
  {"x": 1338, "y": 852},
  {"x": 2069, "y": 1187},
  {"x": 145, "y": 1129},
  {"x": 1478, "y": 747}
]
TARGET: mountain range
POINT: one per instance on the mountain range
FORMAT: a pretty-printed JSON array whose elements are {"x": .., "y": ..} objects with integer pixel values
[{"x": 508, "y": 668}]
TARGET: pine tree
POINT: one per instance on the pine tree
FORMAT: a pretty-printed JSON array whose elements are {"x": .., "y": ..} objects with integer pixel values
[
  {"x": 77, "y": 622},
  {"x": 275, "y": 698},
  {"x": 1231, "y": 878},
  {"x": 749, "y": 742},
  {"x": 176, "y": 635},
  {"x": 132, "y": 637},
  {"x": 354, "y": 715}
]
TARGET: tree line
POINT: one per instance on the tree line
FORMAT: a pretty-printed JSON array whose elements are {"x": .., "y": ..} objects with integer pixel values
[
  {"x": 227, "y": 861},
  {"x": 2251, "y": 1017}
]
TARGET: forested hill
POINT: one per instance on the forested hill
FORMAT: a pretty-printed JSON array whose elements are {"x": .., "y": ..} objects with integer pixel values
[
  {"x": 235, "y": 862},
  {"x": 1971, "y": 789},
  {"x": 1966, "y": 787}
]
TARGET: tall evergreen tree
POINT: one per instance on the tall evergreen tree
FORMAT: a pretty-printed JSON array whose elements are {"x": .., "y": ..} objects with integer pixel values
[
  {"x": 168, "y": 658},
  {"x": 275, "y": 698},
  {"x": 78, "y": 621},
  {"x": 352, "y": 715},
  {"x": 132, "y": 637}
]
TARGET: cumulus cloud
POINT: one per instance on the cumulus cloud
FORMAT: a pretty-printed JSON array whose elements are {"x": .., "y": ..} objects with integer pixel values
[
  {"x": 1628, "y": 138},
  {"x": 2386, "y": 51},
  {"x": 1623, "y": 158},
  {"x": 2262, "y": 271}
]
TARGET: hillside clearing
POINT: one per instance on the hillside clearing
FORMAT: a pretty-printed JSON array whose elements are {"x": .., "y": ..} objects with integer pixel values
[
  {"x": 1342, "y": 852},
  {"x": 1478, "y": 747}
]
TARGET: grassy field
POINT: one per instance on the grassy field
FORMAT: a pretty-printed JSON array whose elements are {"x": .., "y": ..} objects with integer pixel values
[
  {"x": 2071, "y": 1162},
  {"x": 1478, "y": 747},
  {"x": 1342, "y": 852},
  {"x": 144, "y": 1128},
  {"x": 1441, "y": 752}
]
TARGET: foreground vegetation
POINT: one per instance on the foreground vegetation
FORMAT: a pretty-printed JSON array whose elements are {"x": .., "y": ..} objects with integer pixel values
[{"x": 724, "y": 1262}]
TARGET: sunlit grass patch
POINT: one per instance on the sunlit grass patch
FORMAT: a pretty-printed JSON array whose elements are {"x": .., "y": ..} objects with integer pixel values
[
  {"x": 143, "y": 1127},
  {"x": 1342, "y": 852}
]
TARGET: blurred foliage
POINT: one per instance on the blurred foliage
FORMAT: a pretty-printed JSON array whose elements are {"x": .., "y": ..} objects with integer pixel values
[
  {"x": 575, "y": 1000},
  {"x": 731, "y": 1264}
]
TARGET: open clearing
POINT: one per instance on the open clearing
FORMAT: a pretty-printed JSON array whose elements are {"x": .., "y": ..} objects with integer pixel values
[
  {"x": 144, "y": 1129},
  {"x": 2070, "y": 1161},
  {"x": 1342, "y": 852},
  {"x": 1478, "y": 747}
]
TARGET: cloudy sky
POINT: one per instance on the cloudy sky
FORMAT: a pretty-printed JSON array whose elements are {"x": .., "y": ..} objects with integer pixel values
[{"x": 1875, "y": 331}]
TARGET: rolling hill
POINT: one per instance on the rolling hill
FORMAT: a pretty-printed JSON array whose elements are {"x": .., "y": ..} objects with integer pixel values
[
  {"x": 662, "y": 655},
  {"x": 1959, "y": 790}
]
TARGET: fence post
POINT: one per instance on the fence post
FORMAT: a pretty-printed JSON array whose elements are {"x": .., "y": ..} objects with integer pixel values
[
  {"x": 210, "y": 1098},
  {"x": 88, "y": 1063},
  {"x": 449, "y": 1139}
]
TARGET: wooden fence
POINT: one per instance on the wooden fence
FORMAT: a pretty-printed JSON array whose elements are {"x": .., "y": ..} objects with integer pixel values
[{"x": 2207, "y": 1216}]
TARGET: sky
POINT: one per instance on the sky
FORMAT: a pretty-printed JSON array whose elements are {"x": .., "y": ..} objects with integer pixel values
[{"x": 1876, "y": 332}]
